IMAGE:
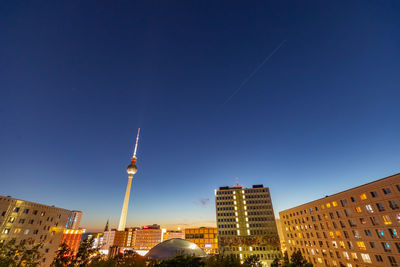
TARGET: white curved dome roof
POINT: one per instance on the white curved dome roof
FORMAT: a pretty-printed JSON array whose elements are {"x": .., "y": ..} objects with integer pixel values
[{"x": 176, "y": 246}]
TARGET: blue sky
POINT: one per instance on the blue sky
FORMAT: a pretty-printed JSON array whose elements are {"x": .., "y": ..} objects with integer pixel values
[{"x": 78, "y": 78}]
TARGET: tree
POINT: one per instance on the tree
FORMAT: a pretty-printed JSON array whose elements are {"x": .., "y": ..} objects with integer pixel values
[
  {"x": 85, "y": 253},
  {"x": 179, "y": 261},
  {"x": 63, "y": 256},
  {"x": 286, "y": 262},
  {"x": 221, "y": 260},
  {"x": 13, "y": 254},
  {"x": 252, "y": 261},
  {"x": 131, "y": 259},
  {"x": 297, "y": 260},
  {"x": 275, "y": 263}
]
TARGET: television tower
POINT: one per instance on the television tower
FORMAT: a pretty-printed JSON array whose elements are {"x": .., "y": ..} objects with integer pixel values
[{"x": 131, "y": 170}]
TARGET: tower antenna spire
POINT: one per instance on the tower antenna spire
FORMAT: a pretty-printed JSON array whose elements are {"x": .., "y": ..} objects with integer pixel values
[{"x": 137, "y": 141}]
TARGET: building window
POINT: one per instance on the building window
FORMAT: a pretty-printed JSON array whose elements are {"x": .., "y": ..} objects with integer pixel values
[
  {"x": 379, "y": 258},
  {"x": 393, "y": 204},
  {"x": 392, "y": 261},
  {"x": 6, "y": 231},
  {"x": 26, "y": 211},
  {"x": 343, "y": 202},
  {"x": 379, "y": 233},
  {"x": 386, "y": 246},
  {"x": 369, "y": 208},
  {"x": 16, "y": 209},
  {"x": 374, "y": 221},
  {"x": 386, "y": 191},
  {"x": 352, "y": 223},
  {"x": 352, "y": 199},
  {"x": 374, "y": 194},
  {"x": 361, "y": 245},
  {"x": 393, "y": 233},
  {"x": 363, "y": 196},
  {"x": 366, "y": 258},
  {"x": 372, "y": 244},
  {"x": 386, "y": 219},
  {"x": 380, "y": 206},
  {"x": 368, "y": 232},
  {"x": 358, "y": 209}
]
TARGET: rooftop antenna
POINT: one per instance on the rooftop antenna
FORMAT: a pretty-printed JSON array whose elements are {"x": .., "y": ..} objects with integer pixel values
[
  {"x": 237, "y": 181},
  {"x": 137, "y": 140}
]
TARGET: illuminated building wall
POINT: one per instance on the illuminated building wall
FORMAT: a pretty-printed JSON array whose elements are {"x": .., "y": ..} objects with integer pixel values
[
  {"x": 169, "y": 234},
  {"x": 246, "y": 223},
  {"x": 72, "y": 239},
  {"x": 147, "y": 237},
  {"x": 28, "y": 220},
  {"x": 108, "y": 241},
  {"x": 204, "y": 237},
  {"x": 356, "y": 227},
  {"x": 74, "y": 220}
]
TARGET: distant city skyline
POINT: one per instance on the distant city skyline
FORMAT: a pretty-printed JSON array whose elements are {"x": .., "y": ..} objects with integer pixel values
[{"x": 78, "y": 79}]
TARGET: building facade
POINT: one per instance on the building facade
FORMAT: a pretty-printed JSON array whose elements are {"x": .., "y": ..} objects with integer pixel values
[
  {"x": 147, "y": 237},
  {"x": 72, "y": 238},
  {"x": 170, "y": 234},
  {"x": 74, "y": 220},
  {"x": 36, "y": 223},
  {"x": 356, "y": 227},
  {"x": 246, "y": 223},
  {"x": 205, "y": 237}
]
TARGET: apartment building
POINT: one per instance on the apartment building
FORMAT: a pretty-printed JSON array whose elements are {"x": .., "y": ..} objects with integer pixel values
[
  {"x": 356, "y": 227},
  {"x": 33, "y": 222},
  {"x": 246, "y": 222}
]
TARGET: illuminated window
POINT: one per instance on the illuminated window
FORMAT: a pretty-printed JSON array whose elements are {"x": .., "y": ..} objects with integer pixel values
[
  {"x": 338, "y": 234},
  {"x": 361, "y": 245},
  {"x": 369, "y": 208},
  {"x": 358, "y": 209},
  {"x": 334, "y": 203},
  {"x": 342, "y": 244},
  {"x": 331, "y": 235},
  {"x": 328, "y": 205},
  {"x": 346, "y": 255},
  {"x": 322, "y": 206},
  {"x": 363, "y": 196},
  {"x": 386, "y": 219},
  {"x": 366, "y": 258}
]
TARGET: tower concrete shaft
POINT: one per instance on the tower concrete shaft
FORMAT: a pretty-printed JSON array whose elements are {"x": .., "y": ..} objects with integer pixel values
[
  {"x": 122, "y": 220},
  {"x": 131, "y": 170}
]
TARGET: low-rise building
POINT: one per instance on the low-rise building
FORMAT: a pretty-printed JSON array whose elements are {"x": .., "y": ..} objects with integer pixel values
[
  {"x": 170, "y": 234},
  {"x": 147, "y": 237},
  {"x": 205, "y": 237}
]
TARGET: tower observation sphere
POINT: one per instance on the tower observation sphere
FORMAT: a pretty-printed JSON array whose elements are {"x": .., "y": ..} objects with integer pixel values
[{"x": 132, "y": 169}]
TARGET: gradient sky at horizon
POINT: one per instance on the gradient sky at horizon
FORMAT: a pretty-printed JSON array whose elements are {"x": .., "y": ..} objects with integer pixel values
[{"x": 77, "y": 78}]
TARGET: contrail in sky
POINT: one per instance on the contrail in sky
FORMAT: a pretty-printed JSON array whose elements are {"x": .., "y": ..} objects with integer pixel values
[{"x": 254, "y": 72}]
